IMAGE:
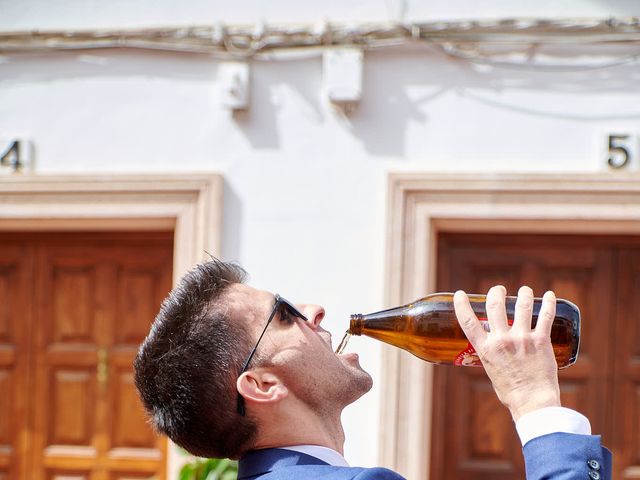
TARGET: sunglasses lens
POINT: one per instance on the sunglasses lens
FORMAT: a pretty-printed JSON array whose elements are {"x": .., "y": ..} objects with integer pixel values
[{"x": 292, "y": 310}]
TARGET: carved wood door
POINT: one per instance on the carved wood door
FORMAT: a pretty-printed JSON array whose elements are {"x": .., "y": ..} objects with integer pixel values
[
  {"x": 83, "y": 304},
  {"x": 473, "y": 434},
  {"x": 626, "y": 369}
]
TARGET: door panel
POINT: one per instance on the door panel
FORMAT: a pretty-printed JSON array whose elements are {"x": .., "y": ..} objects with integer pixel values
[
  {"x": 139, "y": 288},
  {"x": 473, "y": 433},
  {"x": 15, "y": 318},
  {"x": 70, "y": 323}
]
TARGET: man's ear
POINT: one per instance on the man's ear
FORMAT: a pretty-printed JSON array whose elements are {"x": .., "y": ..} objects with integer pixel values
[{"x": 261, "y": 386}]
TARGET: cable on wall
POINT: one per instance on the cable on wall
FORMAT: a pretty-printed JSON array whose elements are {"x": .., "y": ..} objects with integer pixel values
[{"x": 250, "y": 41}]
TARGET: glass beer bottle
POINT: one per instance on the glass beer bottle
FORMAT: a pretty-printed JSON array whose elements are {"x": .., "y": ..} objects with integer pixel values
[{"x": 429, "y": 329}]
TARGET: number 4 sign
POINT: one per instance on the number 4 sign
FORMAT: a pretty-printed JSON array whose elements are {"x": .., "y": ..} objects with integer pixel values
[{"x": 15, "y": 155}]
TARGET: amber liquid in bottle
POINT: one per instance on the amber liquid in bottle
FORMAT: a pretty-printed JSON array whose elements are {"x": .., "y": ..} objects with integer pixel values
[{"x": 429, "y": 329}]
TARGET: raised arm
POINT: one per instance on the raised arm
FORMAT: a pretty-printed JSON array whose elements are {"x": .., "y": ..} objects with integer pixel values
[{"x": 520, "y": 363}]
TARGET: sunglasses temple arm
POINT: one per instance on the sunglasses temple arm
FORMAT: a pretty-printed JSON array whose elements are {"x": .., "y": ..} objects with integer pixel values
[{"x": 240, "y": 402}]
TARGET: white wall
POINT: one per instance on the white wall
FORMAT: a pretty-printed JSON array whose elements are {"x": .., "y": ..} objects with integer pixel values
[
  {"x": 305, "y": 188},
  {"x": 29, "y": 14}
]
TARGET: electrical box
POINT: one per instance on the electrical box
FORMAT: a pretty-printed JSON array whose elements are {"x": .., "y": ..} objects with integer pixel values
[
  {"x": 234, "y": 85},
  {"x": 342, "y": 75}
]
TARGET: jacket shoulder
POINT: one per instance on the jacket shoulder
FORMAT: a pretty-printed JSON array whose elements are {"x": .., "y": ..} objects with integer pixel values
[
  {"x": 378, "y": 473},
  {"x": 327, "y": 472}
]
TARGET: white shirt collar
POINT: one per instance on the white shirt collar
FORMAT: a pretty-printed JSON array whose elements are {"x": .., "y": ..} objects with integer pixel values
[{"x": 325, "y": 454}]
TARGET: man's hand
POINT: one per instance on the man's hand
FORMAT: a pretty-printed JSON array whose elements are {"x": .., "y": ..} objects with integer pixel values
[{"x": 519, "y": 360}]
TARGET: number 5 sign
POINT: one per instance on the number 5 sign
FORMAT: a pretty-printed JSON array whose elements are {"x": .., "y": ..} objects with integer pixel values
[{"x": 622, "y": 151}]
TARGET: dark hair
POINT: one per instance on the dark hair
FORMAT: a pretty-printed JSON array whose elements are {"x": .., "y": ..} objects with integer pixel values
[{"x": 186, "y": 368}]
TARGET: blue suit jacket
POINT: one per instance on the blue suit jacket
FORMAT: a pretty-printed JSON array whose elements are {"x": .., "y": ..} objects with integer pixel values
[
  {"x": 280, "y": 464},
  {"x": 558, "y": 456}
]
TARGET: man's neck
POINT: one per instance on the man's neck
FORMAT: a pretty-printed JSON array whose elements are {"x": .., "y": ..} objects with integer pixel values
[{"x": 303, "y": 428}]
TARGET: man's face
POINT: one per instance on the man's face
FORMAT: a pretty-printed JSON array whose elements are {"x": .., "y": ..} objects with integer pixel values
[{"x": 299, "y": 351}]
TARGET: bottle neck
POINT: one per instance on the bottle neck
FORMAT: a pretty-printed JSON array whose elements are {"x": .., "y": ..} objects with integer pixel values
[{"x": 356, "y": 324}]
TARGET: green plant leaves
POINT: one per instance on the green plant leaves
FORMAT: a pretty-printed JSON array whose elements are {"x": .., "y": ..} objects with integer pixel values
[{"x": 209, "y": 469}]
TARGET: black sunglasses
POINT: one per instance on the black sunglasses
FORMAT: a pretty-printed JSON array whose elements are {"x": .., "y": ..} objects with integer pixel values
[{"x": 279, "y": 304}]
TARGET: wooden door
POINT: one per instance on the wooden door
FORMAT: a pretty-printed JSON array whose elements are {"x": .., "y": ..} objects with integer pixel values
[
  {"x": 473, "y": 434},
  {"x": 92, "y": 300},
  {"x": 626, "y": 369}
]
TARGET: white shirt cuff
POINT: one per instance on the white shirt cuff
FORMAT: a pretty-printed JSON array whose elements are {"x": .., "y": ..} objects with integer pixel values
[{"x": 551, "y": 420}]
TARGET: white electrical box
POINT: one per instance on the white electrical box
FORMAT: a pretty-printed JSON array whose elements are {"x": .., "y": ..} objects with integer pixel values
[
  {"x": 234, "y": 85},
  {"x": 342, "y": 75}
]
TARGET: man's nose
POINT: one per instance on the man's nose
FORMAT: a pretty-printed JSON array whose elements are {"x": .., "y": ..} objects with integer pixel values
[{"x": 314, "y": 313}]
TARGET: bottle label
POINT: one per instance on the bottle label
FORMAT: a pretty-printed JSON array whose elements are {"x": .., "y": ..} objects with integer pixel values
[{"x": 468, "y": 357}]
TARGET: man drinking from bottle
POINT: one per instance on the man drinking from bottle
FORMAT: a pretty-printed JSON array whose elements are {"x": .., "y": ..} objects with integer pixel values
[{"x": 228, "y": 370}]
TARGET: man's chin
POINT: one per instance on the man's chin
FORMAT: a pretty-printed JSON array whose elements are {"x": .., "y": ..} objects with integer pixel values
[
  {"x": 362, "y": 382},
  {"x": 352, "y": 360}
]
